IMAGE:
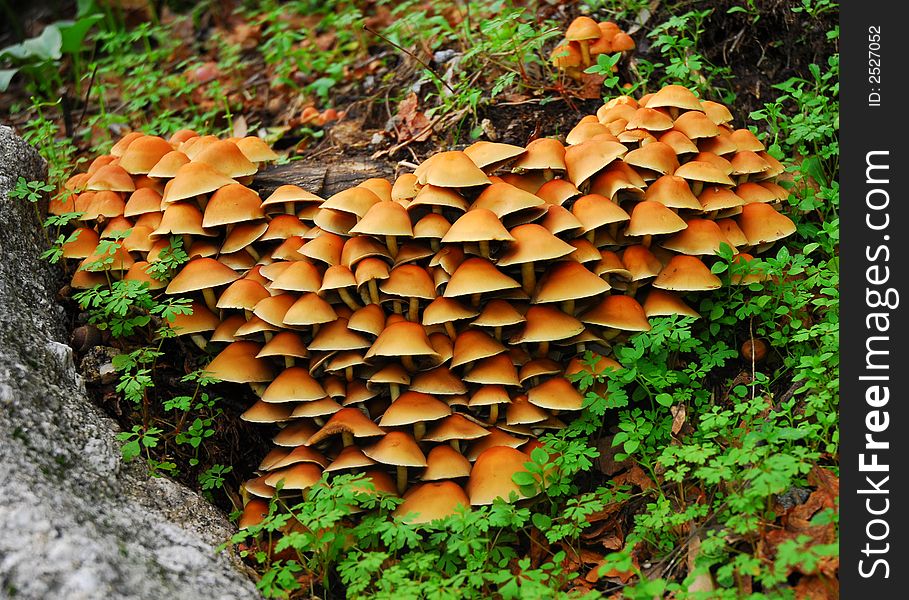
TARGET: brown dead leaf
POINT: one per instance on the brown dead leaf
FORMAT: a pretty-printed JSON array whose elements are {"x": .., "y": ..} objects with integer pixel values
[
  {"x": 412, "y": 123},
  {"x": 634, "y": 476},
  {"x": 678, "y": 417},
  {"x": 514, "y": 98},
  {"x": 796, "y": 522},
  {"x": 580, "y": 587},
  {"x": 825, "y": 480},
  {"x": 240, "y": 127},
  {"x": 590, "y": 557},
  {"x": 204, "y": 73},
  {"x": 591, "y": 86},
  {"x": 703, "y": 582},
  {"x": 812, "y": 587},
  {"x": 539, "y": 548},
  {"x": 613, "y": 541},
  {"x": 604, "y": 513},
  {"x": 245, "y": 35},
  {"x": 380, "y": 18},
  {"x": 614, "y": 575},
  {"x": 326, "y": 41},
  {"x": 606, "y": 461}
]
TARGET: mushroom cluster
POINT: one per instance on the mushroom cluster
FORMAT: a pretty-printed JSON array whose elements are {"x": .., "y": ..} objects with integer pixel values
[
  {"x": 422, "y": 331},
  {"x": 585, "y": 39}
]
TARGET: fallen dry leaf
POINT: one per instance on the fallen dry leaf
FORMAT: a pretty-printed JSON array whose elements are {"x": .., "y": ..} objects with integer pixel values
[
  {"x": 678, "y": 417},
  {"x": 813, "y": 587},
  {"x": 240, "y": 127},
  {"x": 634, "y": 476},
  {"x": 703, "y": 582},
  {"x": 412, "y": 123},
  {"x": 613, "y": 575},
  {"x": 606, "y": 461},
  {"x": 591, "y": 86}
]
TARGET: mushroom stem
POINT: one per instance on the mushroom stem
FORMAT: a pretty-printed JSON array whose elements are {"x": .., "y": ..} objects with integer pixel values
[
  {"x": 402, "y": 479},
  {"x": 493, "y": 414},
  {"x": 373, "y": 291},
  {"x": 548, "y": 174},
  {"x": 475, "y": 299},
  {"x": 348, "y": 374},
  {"x": 632, "y": 288},
  {"x": 450, "y": 330},
  {"x": 289, "y": 361},
  {"x": 347, "y": 438},
  {"x": 610, "y": 333},
  {"x": 456, "y": 445},
  {"x": 646, "y": 240},
  {"x": 210, "y": 300},
  {"x": 674, "y": 112},
  {"x": 434, "y": 244},
  {"x": 252, "y": 252},
  {"x": 315, "y": 329},
  {"x": 497, "y": 332},
  {"x": 289, "y": 208},
  {"x": 364, "y": 295},
  {"x": 392, "y": 245},
  {"x": 348, "y": 299},
  {"x": 394, "y": 390},
  {"x": 267, "y": 335},
  {"x": 568, "y": 307},
  {"x": 591, "y": 236},
  {"x": 697, "y": 187},
  {"x": 202, "y": 200},
  {"x": 585, "y": 52},
  {"x": 413, "y": 310},
  {"x": 257, "y": 387},
  {"x": 529, "y": 276},
  {"x": 484, "y": 248},
  {"x": 199, "y": 341},
  {"x": 408, "y": 363},
  {"x": 419, "y": 430},
  {"x": 543, "y": 349}
]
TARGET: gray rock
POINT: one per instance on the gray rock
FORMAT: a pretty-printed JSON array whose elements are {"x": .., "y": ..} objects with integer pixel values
[{"x": 77, "y": 522}]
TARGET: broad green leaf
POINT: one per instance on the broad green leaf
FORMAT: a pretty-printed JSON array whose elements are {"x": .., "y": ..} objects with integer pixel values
[
  {"x": 6, "y": 75},
  {"x": 541, "y": 521},
  {"x": 84, "y": 7},
  {"x": 539, "y": 456},
  {"x": 523, "y": 478},
  {"x": 73, "y": 32},
  {"x": 43, "y": 47},
  {"x": 664, "y": 399}
]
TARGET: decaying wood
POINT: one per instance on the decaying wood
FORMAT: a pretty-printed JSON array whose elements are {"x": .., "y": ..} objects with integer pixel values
[{"x": 322, "y": 179}]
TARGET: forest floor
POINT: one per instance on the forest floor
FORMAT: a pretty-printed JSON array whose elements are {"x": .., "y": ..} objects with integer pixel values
[{"x": 330, "y": 83}]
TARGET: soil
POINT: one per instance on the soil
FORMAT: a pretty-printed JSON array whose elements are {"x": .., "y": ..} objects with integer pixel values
[{"x": 761, "y": 48}]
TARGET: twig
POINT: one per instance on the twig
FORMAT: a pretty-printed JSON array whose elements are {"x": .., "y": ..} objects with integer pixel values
[
  {"x": 413, "y": 56},
  {"x": 88, "y": 91}
]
